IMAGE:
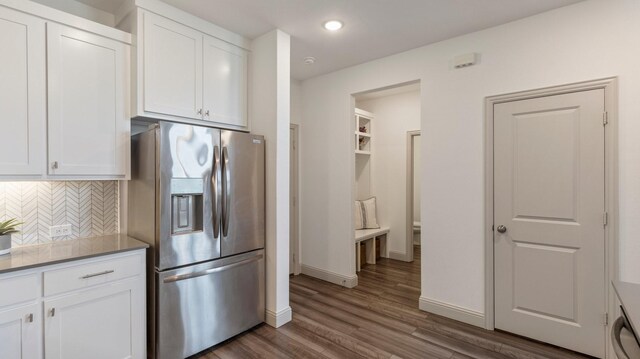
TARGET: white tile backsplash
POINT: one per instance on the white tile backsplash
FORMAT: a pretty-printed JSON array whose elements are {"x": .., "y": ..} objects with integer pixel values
[{"x": 90, "y": 207}]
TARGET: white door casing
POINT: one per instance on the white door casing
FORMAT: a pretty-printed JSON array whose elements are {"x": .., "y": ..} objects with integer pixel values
[
  {"x": 22, "y": 93},
  {"x": 549, "y": 193},
  {"x": 410, "y": 197},
  {"x": 172, "y": 84},
  {"x": 88, "y": 124},
  {"x": 294, "y": 240}
]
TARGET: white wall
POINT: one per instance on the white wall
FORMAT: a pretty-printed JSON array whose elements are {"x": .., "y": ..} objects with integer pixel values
[
  {"x": 80, "y": 9},
  {"x": 270, "y": 116},
  {"x": 363, "y": 178},
  {"x": 588, "y": 40},
  {"x": 394, "y": 116},
  {"x": 296, "y": 101}
]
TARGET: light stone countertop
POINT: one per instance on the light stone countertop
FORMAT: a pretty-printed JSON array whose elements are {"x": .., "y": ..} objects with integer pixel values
[{"x": 25, "y": 257}]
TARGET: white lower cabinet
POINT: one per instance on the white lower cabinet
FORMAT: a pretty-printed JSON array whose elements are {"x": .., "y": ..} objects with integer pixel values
[
  {"x": 92, "y": 308},
  {"x": 96, "y": 323},
  {"x": 20, "y": 332}
]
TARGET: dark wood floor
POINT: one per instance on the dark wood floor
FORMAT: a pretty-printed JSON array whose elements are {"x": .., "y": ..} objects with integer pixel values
[{"x": 377, "y": 319}]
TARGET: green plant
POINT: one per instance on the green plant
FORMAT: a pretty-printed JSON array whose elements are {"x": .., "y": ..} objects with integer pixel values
[{"x": 9, "y": 226}]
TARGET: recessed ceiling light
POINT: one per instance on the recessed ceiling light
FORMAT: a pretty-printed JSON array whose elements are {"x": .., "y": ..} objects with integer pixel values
[
  {"x": 309, "y": 60},
  {"x": 333, "y": 25}
]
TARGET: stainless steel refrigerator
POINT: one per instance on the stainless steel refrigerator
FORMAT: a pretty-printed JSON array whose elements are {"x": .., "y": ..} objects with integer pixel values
[{"x": 197, "y": 196}]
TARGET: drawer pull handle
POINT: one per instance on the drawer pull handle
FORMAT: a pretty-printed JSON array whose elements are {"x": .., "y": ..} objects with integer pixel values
[
  {"x": 97, "y": 274},
  {"x": 53, "y": 312},
  {"x": 30, "y": 318}
]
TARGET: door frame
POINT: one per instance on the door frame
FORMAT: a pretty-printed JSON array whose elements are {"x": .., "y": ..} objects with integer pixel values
[
  {"x": 411, "y": 135},
  {"x": 294, "y": 241},
  {"x": 610, "y": 87}
]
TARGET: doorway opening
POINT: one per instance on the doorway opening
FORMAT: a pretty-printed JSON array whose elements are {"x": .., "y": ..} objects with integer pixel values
[{"x": 386, "y": 123}]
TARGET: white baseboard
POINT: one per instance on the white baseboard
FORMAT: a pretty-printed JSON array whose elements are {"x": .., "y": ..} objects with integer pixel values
[
  {"x": 278, "y": 319},
  {"x": 331, "y": 277},
  {"x": 452, "y": 311},
  {"x": 398, "y": 256}
]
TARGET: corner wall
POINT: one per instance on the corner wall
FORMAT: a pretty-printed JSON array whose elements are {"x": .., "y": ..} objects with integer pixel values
[
  {"x": 589, "y": 40},
  {"x": 269, "y": 111}
]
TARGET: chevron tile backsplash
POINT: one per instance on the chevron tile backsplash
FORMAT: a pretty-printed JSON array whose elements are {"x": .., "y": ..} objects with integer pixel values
[{"x": 90, "y": 207}]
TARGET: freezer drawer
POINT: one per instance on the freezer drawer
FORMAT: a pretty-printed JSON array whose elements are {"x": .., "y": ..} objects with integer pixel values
[{"x": 202, "y": 305}]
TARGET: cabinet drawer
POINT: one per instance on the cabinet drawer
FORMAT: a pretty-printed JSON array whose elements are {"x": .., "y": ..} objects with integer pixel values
[
  {"x": 90, "y": 274},
  {"x": 18, "y": 289}
]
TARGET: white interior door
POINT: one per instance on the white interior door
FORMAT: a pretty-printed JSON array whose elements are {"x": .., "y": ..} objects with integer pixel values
[
  {"x": 88, "y": 122},
  {"x": 549, "y": 208},
  {"x": 22, "y": 93},
  {"x": 172, "y": 68}
]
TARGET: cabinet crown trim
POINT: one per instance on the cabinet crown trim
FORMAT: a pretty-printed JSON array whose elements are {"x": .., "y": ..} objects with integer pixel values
[{"x": 165, "y": 10}]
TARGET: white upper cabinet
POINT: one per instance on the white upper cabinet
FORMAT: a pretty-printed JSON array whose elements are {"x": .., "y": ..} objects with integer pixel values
[
  {"x": 64, "y": 96},
  {"x": 225, "y": 83},
  {"x": 172, "y": 68},
  {"x": 88, "y": 127},
  {"x": 186, "y": 69},
  {"x": 22, "y": 94}
]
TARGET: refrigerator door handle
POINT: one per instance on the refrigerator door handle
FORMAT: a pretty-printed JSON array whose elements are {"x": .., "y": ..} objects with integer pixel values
[
  {"x": 179, "y": 277},
  {"x": 226, "y": 192},
  {"x": 216, "y": 191}
]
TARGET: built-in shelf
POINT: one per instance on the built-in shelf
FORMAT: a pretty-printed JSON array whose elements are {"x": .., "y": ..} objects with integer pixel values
[{"x": 363, "y": 132}]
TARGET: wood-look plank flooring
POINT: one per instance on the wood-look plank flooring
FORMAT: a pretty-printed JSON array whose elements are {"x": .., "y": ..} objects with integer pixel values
[{"x": 377, "y": 319}]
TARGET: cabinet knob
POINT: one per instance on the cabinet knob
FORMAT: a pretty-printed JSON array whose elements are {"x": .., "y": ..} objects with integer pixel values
[
  {"x": 199, "y": 111},
  {"x": 53, "y": 312},
  {"x": 207, "y": 113},
  {"x": 29, "y": 318},
  {"x": 54, "y": 165}
]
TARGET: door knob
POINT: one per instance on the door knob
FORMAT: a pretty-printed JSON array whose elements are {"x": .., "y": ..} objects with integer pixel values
[{"x": 502, "y": 229}]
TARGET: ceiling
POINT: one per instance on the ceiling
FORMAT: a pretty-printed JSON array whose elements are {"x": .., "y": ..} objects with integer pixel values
[{"x": 373, "y": 28}]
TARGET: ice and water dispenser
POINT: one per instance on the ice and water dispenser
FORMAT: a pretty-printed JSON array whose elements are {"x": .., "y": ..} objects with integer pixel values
[{"x": 186, "y": 205}]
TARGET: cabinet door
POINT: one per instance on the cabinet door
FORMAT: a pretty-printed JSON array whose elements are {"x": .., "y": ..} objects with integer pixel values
[
  {"x": 172, "y": 68},
  {"x": 98, "y": 324},
  {"x": 225, "y": 83},
  {"x": 22, "y": 93},
  {"x": 88, "y": 120},
  {"x": 20, "y": 330}
]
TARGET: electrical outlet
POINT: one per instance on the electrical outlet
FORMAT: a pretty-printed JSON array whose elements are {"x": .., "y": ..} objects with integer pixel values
[{"x": 59, "y": 231}]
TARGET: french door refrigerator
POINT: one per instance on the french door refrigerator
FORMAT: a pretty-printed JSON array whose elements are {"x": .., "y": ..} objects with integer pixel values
[{"x": 197, "y": 196}]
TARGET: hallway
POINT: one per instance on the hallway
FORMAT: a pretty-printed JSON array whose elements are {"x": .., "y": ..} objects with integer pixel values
[{"x": 377, "y": 319}]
